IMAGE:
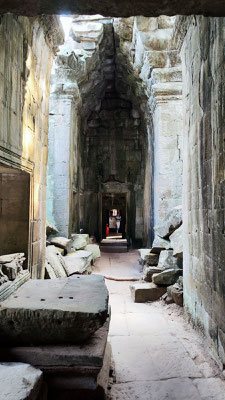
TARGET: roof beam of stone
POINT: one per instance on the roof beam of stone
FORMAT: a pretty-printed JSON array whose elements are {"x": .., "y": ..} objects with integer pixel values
[{"x": 115, "y": 8}]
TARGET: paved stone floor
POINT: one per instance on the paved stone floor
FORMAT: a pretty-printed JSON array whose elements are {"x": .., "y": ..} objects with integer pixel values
[{"x": 156, "y": 354}]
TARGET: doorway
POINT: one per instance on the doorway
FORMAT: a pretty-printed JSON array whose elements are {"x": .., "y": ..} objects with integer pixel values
[
  {"x": 114, "y": 215},
  {"x": 14, "y": 211}
]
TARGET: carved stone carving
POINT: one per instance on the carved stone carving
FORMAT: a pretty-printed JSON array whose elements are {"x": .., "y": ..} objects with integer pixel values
[{"x": 11, "y": 265}]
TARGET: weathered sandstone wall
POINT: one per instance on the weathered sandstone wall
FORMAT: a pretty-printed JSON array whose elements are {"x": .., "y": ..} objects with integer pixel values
[
  {"x": 27, "y": 48},
  {"x": 203, "y": 40}
]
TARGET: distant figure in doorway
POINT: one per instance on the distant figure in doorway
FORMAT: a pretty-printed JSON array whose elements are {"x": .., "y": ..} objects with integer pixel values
[
  {"x": 107, "y": 230},
  {"x": 118, "y": 219}
]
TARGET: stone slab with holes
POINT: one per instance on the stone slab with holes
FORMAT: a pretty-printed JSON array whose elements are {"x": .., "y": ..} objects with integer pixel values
[{"x": 59, "y": 311}]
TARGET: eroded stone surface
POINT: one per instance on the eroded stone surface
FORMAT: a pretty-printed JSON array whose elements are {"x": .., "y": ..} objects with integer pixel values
[
  {"x": 176, "y": 240},
  {"x": 170, "y": 223},
  {"x": 142, "y": 292},
  {"x": 64, "y": 243},
  {"x": 160, "y": 244},
  {"x": 167, "y": 277},
  {"x": 20, "y": 381},
  {"x": 167, "y": 260},
  {"x": 54, "y": 311},
  {"x": 54, "y": 263},
  {"x": 149, "y": 271}
]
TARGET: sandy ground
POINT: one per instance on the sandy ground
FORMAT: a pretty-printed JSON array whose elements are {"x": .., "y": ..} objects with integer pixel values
[{"x": 156, "y": 353}]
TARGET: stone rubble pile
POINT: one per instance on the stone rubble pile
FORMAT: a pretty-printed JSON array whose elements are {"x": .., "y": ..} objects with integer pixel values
[
  {"x": 162, "y": 264},
  {"x": 12, "y": 274},
  {"x": 66, "y": 257}
]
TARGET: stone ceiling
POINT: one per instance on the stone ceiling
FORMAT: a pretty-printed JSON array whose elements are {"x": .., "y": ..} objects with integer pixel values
[{"x": 115, "y": 8}]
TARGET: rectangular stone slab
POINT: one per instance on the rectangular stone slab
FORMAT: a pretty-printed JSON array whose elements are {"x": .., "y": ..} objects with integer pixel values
[
  {"x": 90, "y": 354},
  {"x": 59, "y": 311},
  {"x": 142, "y": 292}
]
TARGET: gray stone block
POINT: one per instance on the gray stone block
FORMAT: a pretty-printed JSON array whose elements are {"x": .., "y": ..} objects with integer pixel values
[
  {"x": 65, "y": 311},
  {"x": 167, "y": 277},
  {"x": 149, "y": 271},
  {"x": 170, "y": 223},
  {"x": 167, "y": 260},
  {"x": 142, "y": 292}
]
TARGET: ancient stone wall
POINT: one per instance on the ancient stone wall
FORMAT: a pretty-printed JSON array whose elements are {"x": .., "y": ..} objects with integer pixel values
[
  {"x": 155, "y": 64},
  {"x": 27, "y": 47},
  {"x": 126, "y": 77},
  {"x": 202, "y": 40}
]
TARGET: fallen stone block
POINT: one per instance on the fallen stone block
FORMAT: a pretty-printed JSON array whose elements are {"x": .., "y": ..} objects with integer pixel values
[
  {"x": 94, "y": 249},
  {"x": 142, "y": 292},
  {"x": 160, "y": 244},
  {"x": 86, "y": 255},
  {"x": 142, "y": 253},
  {"x": 167, "y": 260},
  {"x": 21, "y": 381},
  {"x": 167, "y": 277},
  {"x": 167, "y": 299},
  {"x": 54, "y": 263},
  {"x": 149, "y": 271},
  {"x": 80, "y": 240},
  {"x": 51, "y": 229},
  {"x": 75, "y": 265},
  {"x": 59, "y": 311},
  {"x": 63, "y": 243},
  {"x": 176, "y": 292},
  {"x": 170, "y": 223},
  {"x": 151, "y": 259},
  {"x": 177, "y": 242}
]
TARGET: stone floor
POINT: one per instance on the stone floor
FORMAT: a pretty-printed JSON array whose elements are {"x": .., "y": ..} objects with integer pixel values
[{"x": 156, "y": 354}]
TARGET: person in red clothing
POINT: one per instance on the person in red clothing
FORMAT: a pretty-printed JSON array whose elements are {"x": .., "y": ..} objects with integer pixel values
[{"x": 107, "y": 230}]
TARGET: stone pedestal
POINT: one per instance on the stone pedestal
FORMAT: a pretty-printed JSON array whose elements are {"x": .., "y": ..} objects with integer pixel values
[{"x": 70, "y": 372}]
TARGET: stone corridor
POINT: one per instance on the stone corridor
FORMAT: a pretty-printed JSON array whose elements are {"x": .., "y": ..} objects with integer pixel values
[
  {"x": 112, "y": 140},
  {"x": 156, "y": 354}
]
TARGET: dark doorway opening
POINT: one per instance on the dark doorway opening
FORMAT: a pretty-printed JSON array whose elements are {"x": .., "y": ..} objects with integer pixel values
[
  {"x": 14, "y": 211},
  {"x": 114, "y": 214}
]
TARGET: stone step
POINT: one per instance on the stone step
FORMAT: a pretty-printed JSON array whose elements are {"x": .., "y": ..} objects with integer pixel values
[
  {"x": 113, "y": 249},
  {"x": 114, "y": 243},
  {"x": 143, "y": 292}
]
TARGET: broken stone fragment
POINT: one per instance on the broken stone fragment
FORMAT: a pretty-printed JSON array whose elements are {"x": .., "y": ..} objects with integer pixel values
[
  {"x": 167, "y": 298},
  {"x": 94, "y": 249},
  {"x": 142, "y": 292},
  {"x": 80, "y": 240},
  {"x": 176, "y": 291},
  {"x": 59, "y": 311},
  {"x": 149, "y": 271},
  {"x": 160, "y": 244},
  {"x": 50, "y": 229},
  {"x": 142, "y": 253},
  {"x": 170, "y": 223},
  {"x": 11, "y": 265},
  {"x": 20, "y": 381},
  {"x": 151, "y": 259},
  {"x": 63, "y": 243},
  {"x": 167, "y": 277},
  {"x": 75, "y": 265},
  {"x": 54, "y": 263},
  {"x": 177, "y": 242},
  {"x": 167, "y": 260}
]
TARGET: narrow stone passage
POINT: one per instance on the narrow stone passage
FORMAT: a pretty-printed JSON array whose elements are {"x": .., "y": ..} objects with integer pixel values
[{"x": 156, "y": 353}]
